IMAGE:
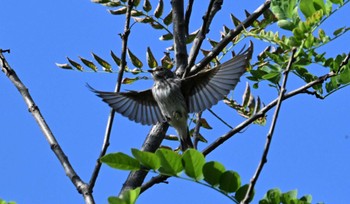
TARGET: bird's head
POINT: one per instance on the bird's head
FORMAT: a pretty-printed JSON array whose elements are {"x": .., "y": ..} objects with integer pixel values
[{"x": 161, "y": 73}]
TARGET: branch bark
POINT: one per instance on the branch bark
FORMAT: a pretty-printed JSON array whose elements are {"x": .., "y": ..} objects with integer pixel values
[
  {"x": 82, "y": 187},
  {"x": 110, "y": 119}
]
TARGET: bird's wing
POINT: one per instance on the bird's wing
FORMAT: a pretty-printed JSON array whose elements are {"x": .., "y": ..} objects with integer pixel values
[
  {"x": 137, "y": 106},
  {"x": 206, "y": 88}
]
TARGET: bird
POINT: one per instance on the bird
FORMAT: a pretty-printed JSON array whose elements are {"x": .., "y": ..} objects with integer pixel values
[{"x": 171, "y": 98}]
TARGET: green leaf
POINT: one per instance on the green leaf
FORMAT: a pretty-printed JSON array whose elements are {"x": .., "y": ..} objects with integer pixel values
[
  {"x": 64, "y": 66},
  {"x": 286, "y": 24},
  {"x": 147, "y": 6},
  {"x": 116, "y": 59},
  {"x": 271, "y": 75},
  {"x": 230, "y": 181},
  {"x": 135, "y": 13},
  {"x": 147, "y": 159},
  {"x": 167, "y": 36},
  {"x": 344, "y": 76},
  {"x": 192, "y": 36},
  {"x": 288, "y": 196},
  {"x": 240, "y": 193},
  {"x": 166, "y": 61},
  {"x": 306, "y": 198},
  {"x": 136, "y": 2},
  {"x": 159, "y": 10},
  {"x": 307, "y": 7},
  {"x": 152, "y": 62},
  {"x": 121, "y": 161},
  {"x": 340, "y": 2},
  {"x": 130, "y": 196},
  {"x": 168, "y": 18},
  {"x": 274, "y": 195},
  {"x": 88, "y": 63},
  {"x": 193, "y": 162},
  {"x": 75, "y": 64},
  {"x": 105, "y": 65},
  {"x": 204, "y": 123},
  {"x": 134, "y": 60},
  {"x": 170, "y": 162},
  {"x": 127, "y": 80},
  {"x": 338, "y": 31},
  {"x": 319, "y": 4},
  {"x": 116, "y": 200},
  {"x": 212, "y": 172},
  {"x": 118, "y": 11}
]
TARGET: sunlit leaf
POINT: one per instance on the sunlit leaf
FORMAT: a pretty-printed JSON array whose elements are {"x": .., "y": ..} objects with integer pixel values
[
  {"x": 64, "y": 66},
  {"x": 120, "y": 161},
  {"x": 307, "y": 7},
  {"x": 170, "y": 162},
  {"x": 152, "y": 62},
  {"x": 88, "y": 63},
  {"x": 105, "y": 65},
  {"x": 75, "y": 64},
  {"x": 167, "y": 36},
  {"x": 193, "y": 162},
  {"x": 116, "y": 200},
  {"x": 116, "y": 59},
  {"x": 134, "y": 60},
  {"x": 118, "y": 11},
  {"x": 131, "y": 195},
  {"x": 147, "y": 159}
]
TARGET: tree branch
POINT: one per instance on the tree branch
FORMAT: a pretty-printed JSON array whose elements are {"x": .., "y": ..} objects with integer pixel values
[
  {"x": 110, "y": 119},
  {"x": 179, "y": 36},
  {"x": 188, "y": 16},
  {"x": 213, "y": 7},
  {"x": 196, "y": 130},
  {"x": 232, "y": 34},
  {"x": 82, "y": 187},
  {"x": 249, "y": 194}
]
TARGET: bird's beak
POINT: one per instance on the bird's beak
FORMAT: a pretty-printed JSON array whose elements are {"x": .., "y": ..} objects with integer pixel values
[{"x": 151, "y": 70}]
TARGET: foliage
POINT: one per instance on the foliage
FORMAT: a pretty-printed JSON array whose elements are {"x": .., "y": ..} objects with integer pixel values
[
  {"x": 4, "y": 202},
  {"x": 192, "y": 162}
]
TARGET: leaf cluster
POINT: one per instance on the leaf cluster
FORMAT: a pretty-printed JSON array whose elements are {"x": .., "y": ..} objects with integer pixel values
[
  {"x": 275, "y": 196},
  {"x": 192, "y": 162}
]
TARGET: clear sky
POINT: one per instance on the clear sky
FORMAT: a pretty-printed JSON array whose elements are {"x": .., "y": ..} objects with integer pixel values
[{"x": 310, "y": 150}]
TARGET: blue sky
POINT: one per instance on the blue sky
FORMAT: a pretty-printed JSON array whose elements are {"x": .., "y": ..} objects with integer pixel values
[{"x": 310, "y": 150}]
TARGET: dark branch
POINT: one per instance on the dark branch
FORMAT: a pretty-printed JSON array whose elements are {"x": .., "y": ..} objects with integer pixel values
[
  {"x": 82, "y": 187},
  {"x": 188, "y": 16},
  {"x": 110, "y": 119},
  {"x": 213, "y": 8},
  {"x": 249, "y": 193},
  {"x": 179, "y": 36}
]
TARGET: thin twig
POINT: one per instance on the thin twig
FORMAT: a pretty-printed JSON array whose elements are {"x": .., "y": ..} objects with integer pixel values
[
  {"x": 213, "y": 7},
  {"x": 249, "y": 193},
  {"x": 82, "y": 187},
  {"x": 219, "y": 118},
  {"x": 110, "y": 119},
  {"x": 232, "y": 34},
  {"x": 196, "y": 130}
]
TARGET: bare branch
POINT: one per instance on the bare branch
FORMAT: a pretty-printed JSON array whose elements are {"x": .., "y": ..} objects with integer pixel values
[
  {"x": 213, "y": 8},
  {"x": 232, "y": 34},
  {"x": 110, "y": 119},
  {"x": 249, "y": 193},
  {"x": 188, "y": 16},
  {"x": 179, "y": 36},
  {"x": 82, "y": 187}
]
